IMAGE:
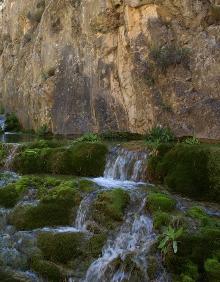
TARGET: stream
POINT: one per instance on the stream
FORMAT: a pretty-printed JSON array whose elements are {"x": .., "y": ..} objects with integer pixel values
[{"x": 132, "y": 241}]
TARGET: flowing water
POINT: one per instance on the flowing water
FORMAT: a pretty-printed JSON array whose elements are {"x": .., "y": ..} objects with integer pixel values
[
  {"x": 133, "y": 241},
  {"x": 127, "y": 251},
  {"x": 123, "y": 165}
]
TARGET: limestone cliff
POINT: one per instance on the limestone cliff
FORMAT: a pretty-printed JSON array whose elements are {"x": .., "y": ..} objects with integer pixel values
[{"x": 95, "y": 65}]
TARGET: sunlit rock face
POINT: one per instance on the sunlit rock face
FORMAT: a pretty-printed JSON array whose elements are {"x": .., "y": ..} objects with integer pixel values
[{"x": 88, "y": 65}]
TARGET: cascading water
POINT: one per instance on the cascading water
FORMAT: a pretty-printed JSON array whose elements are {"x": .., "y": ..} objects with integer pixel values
[
  {"x": 83, "y": 210},
  {"x": 133, "y": 241},
  {"x": 2, "y": 122},
  {"x": 123, "y": 164}
]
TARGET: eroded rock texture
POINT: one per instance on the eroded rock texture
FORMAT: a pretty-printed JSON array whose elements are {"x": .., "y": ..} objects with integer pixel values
[{"x": 95, "y": 65}]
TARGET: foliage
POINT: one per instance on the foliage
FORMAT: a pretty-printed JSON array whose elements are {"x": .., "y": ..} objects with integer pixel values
[
  {"x": 88, "y": 137},
  {"x": 191, "y": 141},
  {"x": 212, "y": 267},
  {"x": 9, "y": 196},
  {"x": 169, "y": 239},
  {"x": 159, "y": 135},
  {"x": 43, "y": 130},
  {"x": 12, "y": 122}
]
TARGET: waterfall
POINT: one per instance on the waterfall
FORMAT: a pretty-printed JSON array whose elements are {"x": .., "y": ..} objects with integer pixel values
[
  {"x": 133, "y": 240},
  {"x": 123, "y": 164},
  {"x": 83, "y": 210},
  {"x": 2, "y": 122}
]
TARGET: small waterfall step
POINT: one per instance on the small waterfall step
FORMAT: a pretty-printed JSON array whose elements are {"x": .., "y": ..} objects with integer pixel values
[{"x": 123, "y": 164}]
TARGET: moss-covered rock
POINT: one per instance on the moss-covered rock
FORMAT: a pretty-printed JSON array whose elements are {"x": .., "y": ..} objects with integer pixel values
[
  {"x": 191, "y": 170},
  {"x": 47, "y": 269},
  {"x": 61, "y": 247},
  {"x": 83, "y": 159},
  {"x": 9, "y": 196},
  {"x": 160, "y": 202},
  {"x": 109, "y": 207},
  {"x": 57, "y": 207}
]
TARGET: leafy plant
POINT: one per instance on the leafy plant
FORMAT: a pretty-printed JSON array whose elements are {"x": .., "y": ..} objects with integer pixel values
[
  {"x": 88, "y": 137},
  {"x": 191, "y": 141},
  {"x": 12, "y": 122},
  {"x": 43, "y": 130},
  {"x": 169, "y": 240},
  {"x": 159, "y": 135}
]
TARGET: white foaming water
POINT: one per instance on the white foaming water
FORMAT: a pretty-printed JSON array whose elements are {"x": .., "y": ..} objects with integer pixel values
[
  {"x": 134, "y": 239},
  {"x": 113, "y": 183},
  {"x": 2, "y": 119},
  {"x": 125, "y": 165},
  {"x": 83, "y": 210},
  {"x": 61, "y": 229}
]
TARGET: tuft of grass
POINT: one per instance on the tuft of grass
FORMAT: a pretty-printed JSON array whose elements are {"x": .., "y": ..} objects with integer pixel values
[{"x": 159, "y": 135}]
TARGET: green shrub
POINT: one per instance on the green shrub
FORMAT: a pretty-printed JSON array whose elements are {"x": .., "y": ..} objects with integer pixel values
[
  {"x": 12, "y": 123},
  {"x": 169, "y": 55},
  {"x": 191, "y": 141},
  {"x": 160, "y": 135},
  {"x": 43, "y": 130},
  {"x": 61, "y": 247},
  {"x": 47, "y": 270},
  {"x": 109, "y": 206},
  {"x": 160, "y": 202},
  {"x": 88, "y": 137},
  {"x": 191, "y": 247}
]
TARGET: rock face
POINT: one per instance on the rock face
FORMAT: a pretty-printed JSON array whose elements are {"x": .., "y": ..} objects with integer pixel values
[{"x": 96, "y": 65}]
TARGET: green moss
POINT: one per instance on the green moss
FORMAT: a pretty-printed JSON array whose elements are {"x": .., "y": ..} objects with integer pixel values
[
  {"x": 196, "y": 248},
  {"x": 9, "y": 196},
  {"x": 95, "y": 245},
  {"x": 199, "y": 214},
  {"x": 57, "y": 207},
  {"x": 109, "y": 206},
  {"x": 87, "y": 186},
  {"x": 212, "y": 267},
  {"x": 192, "y": 170},
  {"x": 47, "y": 270},
  {"x": 47, "y": 213},
  {"x": 161, "y": 219},
  {"x": 83, "y": 159},
  {"x": 161, "y": 202},
  {"x": 61, "y": 247}
]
